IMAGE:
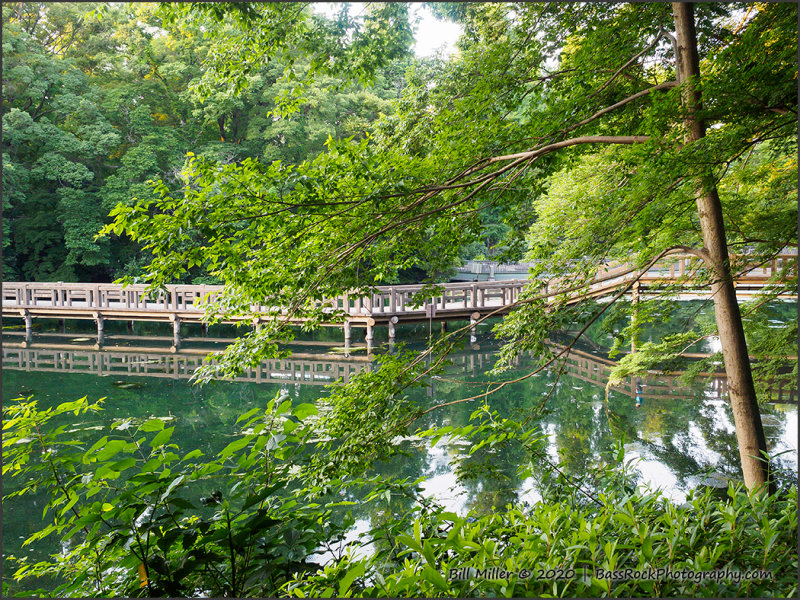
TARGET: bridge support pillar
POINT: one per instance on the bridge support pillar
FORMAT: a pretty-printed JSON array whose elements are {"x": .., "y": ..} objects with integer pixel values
[
  {"x": 430, "y": 390},
  {"x": 176, "y": 334},
  {"x": 25, "y": 314},
  {"x": 473, "y": 332},
  {"x": 130, "y": 327},
  {"x": 369, "y": 337},
  {"x": 62, "y": 325},
  {"x": 346, "y": 328},
  {"x": 392, "y": 332},
  {"x": 444, "y": 326},
  {"x": 203, "y": 329},
  {"x": 98, "y": 318}
]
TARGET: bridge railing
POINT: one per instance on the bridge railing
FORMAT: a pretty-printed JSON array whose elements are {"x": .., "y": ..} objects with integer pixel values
[
  {"x": 453, "y": 296},
  {"x": 186, "y": 298},
  {"x": 103, "y": 296},
  {"x": 385, "y": 300}
]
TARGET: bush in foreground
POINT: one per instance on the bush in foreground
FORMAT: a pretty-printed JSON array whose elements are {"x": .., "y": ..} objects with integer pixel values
[{"x": 138, "y": 518}]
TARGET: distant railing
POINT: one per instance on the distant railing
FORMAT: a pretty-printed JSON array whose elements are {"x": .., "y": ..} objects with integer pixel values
[
  {"x": 186, "y": 298},
  {"x": 488, "y": 267},
  {"x": 386, "y": 300}
]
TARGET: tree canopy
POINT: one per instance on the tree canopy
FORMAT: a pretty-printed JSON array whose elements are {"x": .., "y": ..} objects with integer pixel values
[
  {"x": 100, "y": 99},
  {"x": 590, "y": 127},
  {"x": 562, "y": 127}
]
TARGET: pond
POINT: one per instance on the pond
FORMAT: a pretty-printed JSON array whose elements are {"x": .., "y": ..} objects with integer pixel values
[{"x": 682, "y": 436}]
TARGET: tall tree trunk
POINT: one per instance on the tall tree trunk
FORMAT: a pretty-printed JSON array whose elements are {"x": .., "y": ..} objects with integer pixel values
[{"x": 746, "y": 415}]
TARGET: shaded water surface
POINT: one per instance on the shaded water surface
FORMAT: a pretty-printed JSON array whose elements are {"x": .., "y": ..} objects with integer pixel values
[{"x": 683, "y": 436}]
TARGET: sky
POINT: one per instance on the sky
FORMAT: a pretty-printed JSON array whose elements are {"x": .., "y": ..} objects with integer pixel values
[{"x": 431, "y": 33}]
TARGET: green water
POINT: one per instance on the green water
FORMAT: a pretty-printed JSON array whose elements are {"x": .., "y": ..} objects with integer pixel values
[{"x": 682, "y": 441}]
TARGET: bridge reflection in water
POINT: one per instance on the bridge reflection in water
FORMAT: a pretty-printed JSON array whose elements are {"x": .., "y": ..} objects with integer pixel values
[{"x": 327, "y": 368}]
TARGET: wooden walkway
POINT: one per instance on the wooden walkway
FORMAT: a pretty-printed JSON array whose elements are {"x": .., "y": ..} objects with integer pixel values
[{"x": 387, "y": 305}]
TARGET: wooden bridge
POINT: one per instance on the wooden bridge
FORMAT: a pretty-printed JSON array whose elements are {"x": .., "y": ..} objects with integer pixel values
[
  {"x": 386, "y": 305},
  {"x": 325, "y": 369}
]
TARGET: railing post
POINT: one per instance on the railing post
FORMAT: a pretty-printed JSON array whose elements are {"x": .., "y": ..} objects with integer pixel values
[
  {"x": 28, "y": 327},
  {"x": 392, "y": 301},
  {"x": 369, "y": 336}
]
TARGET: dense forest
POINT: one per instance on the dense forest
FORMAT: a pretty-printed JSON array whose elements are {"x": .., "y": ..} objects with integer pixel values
[{"x": 99, "y": 100}]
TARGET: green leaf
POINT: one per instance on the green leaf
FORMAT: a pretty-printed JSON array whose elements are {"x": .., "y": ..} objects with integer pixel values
[
  {"x": 193, "y": 454},
  {"x": 152, "y": 425},
  {"x": 235, "y": 446},
  {"x": 110, "y": 449},
  {"x": 248, "y": 414},
  {"x": 162, "y": 437},
  {"x": 301, "y": 411},
  {"x": 349, "y": 577},
  {"x": 624, "y": 518},
  {"x": 432, "y": 575}
]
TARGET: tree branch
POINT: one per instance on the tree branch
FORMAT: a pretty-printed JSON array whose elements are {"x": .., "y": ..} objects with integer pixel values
[
  {"x": 662, "y": 86},
  {"x": 627, "y": 64}
]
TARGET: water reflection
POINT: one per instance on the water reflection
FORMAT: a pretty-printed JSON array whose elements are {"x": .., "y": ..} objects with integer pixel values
[{"x": 682, "y": 436}]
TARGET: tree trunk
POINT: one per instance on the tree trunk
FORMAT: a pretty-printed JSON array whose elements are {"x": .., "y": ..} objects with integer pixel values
[{"x": 746, "y": 414}]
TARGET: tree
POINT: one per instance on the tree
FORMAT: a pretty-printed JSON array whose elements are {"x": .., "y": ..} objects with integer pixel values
[
  {"x": 100, "y": 99},
  {"x": 749, "y": 430},
  {"x": 540, "y": 96}
]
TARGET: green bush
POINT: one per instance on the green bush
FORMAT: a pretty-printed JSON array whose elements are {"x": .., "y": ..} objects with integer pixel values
[
  {"x": 144, "y": 520},
  {"x": 141, "y": 519}
]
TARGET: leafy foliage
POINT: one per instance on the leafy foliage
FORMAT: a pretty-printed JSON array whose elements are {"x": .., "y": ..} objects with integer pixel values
[
  {"x": 142, "y": 517},
  {"x": 99, "y": 100}
]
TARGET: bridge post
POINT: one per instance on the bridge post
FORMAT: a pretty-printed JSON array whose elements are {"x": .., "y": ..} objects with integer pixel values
[
  {"x": 346, "y": 328},
  {"x": 431, "y": 388},
  {"x": 473, "y": 333},
  {"x": 130, "y": 327},
  {"x": 392, "y": 332},
  {"x": 26, "y": 314},
  {"x": 176, "y": 333},
  {"x": 369, "y": 337},
  {"x": 98, "y": 318}
]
